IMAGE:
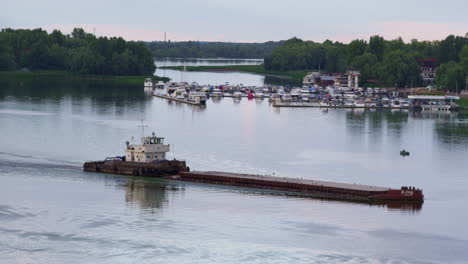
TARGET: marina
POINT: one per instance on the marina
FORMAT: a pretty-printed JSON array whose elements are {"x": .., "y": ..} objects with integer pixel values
[{"x": 314, "y": 96}]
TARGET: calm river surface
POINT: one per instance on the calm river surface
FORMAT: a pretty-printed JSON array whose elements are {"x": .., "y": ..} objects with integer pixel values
[
  {"x": 213, "y": 78},
  {"x": 52, "y": 212}
]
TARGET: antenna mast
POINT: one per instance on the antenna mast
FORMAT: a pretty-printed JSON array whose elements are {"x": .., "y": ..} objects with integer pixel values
[{"x": 142, "y": 130}]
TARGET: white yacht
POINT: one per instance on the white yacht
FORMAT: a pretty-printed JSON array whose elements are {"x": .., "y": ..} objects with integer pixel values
[
  {"x": 395, "y": 103},
  {"x": 258, "y": 94},
  {"x": 237, "y": 94},
  {"x": 286, "y": 98},
  {"x": 197, "y": 97},
  {"x": 359, "y": 103},
  {"x": 179, "y": 93},
  {"x": 295, "y": 94},
  {"x": 160, "y": 85},
  {"x": 216, "y": 93},
  {"x": 148, "y": 83}
]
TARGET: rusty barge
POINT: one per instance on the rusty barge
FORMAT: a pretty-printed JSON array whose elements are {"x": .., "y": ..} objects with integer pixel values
[
  {"x": 149, "y": 160},
  {"x": 314, "y": 188}
]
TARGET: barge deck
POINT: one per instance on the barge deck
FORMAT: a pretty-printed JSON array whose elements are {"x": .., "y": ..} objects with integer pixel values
[{"x": 321, "y": 189}]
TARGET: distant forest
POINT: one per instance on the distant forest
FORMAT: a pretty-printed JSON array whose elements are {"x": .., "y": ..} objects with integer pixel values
[
  {"x": 200, "y": 49},
  {"x": 79, "y": 52},
  {"x": 383, "y": 62}
]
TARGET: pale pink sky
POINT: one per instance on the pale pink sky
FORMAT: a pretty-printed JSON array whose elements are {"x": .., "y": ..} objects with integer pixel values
[
  {"x": 244, "y": 20},
  {"x": 390, "y": 30}
]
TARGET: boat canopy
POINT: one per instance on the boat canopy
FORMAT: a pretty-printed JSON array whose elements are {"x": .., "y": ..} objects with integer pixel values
[{"x": 433, "y": 97}]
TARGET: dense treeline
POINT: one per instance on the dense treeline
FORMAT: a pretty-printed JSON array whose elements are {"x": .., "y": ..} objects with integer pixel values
[
  {"x": 197, "y": 49},
  {"x": 385, "y": 62},
  {"x": 79, "y": 52}
]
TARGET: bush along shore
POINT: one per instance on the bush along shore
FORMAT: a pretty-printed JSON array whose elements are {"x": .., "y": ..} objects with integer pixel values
[
  {"x": 257, "y": 69},
  {"x": 69, "y": 76}
]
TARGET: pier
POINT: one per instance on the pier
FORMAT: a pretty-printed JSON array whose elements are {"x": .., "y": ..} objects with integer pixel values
[
  {"x": 317, "y": 105},
  {"x": 176, "y": 99}
]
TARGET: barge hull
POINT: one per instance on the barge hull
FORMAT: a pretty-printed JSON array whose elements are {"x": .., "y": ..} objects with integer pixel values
[
  {"x": 320, "y": 189},
  {"x": 159, "y": 169}
]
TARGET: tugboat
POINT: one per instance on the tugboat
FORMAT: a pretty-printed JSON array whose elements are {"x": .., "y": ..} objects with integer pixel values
[{"x": 147, "y": 159}]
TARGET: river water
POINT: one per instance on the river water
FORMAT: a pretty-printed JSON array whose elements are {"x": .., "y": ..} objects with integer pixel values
[
  {"x": 52, "y": 212},
  {"x": 212, "y": 78}
]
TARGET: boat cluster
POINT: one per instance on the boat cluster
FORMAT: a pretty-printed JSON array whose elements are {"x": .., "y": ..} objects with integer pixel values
[{"x": 308, "y": 95}]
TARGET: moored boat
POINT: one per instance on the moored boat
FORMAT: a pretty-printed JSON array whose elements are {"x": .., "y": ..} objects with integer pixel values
[{"x": 148, "y": 83}]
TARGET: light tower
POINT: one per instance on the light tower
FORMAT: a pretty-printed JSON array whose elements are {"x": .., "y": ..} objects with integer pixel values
[{"x": 355, "y": 74}]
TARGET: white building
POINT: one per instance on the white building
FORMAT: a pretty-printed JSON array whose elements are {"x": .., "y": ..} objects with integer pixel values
[
  {"x": 151, "y": 149},
  {"x": 310, "y": 78}
]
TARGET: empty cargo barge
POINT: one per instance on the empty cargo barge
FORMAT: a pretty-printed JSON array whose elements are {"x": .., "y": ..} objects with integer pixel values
[
  {"x": 149, "y": 159},
  {"x": 320, "y": 189}
]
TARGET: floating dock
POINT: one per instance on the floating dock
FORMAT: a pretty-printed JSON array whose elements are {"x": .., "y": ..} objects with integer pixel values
[
  {"x": 314, "y": 188},
  {"x": 175, "y": 99},
  {"x": 316, "y": 105}
]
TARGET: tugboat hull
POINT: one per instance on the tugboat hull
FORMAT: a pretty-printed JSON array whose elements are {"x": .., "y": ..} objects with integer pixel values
[{"x": 147, "y": 169}]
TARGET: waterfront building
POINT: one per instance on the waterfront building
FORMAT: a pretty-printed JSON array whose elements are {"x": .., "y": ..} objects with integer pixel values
[
  {"x": 428, "y": 70},
  {"x": 350, "y": 79}
]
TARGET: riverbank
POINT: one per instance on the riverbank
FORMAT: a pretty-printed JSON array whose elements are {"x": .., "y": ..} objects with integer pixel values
[
  {"x": 63, "y": 75},
  {"x": 463, "y": 102},
  {"x": 257, "y": 69}
]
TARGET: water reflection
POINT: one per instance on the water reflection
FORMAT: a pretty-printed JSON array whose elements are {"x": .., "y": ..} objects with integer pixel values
[
  {"x": 153, "y": 193},
  {"x": 100, "y": 93},
  {"x": 216, "y": 100},
  {"x": 217, "y": 78},
  {"x": 198, "y": 108},
  {"x": 452, "y": 133},
  {"x": 364, "y": 121},
  {"x": 149, "y": 193},
  {"x": 148, "y": 91}
]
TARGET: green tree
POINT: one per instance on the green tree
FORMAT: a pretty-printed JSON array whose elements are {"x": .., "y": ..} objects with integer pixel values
[
  {"x": 7, "y": 61},
  {"x": 367, "y": 64},
  {"x": 399, "y": 69},
  {"x": 355, "y": 49},
  {"x": 78, "y": 33},
  {"x": 464, "y": 58},
  {"x": 450, "y": 76},
  {"x": 377, "y": 46}
]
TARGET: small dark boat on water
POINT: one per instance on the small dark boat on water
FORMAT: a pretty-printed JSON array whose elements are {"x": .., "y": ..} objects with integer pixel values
[{"x": 404, "y": 153}]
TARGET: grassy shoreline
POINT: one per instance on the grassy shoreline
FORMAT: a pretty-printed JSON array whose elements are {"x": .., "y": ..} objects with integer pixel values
[
  {"x": 257, "y": 69},
  {"x": 463, "y": 103},
  {"x": 115, "y": 79}
]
